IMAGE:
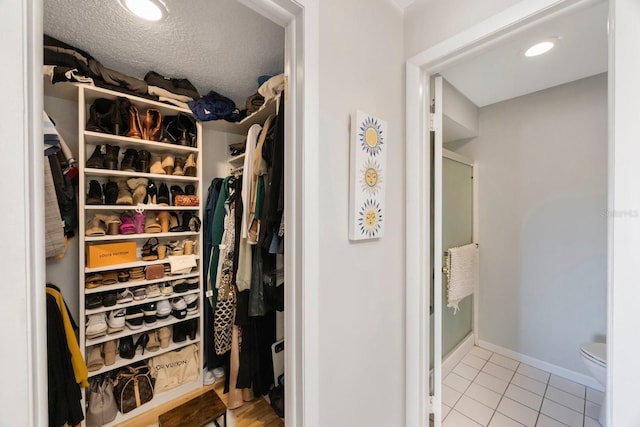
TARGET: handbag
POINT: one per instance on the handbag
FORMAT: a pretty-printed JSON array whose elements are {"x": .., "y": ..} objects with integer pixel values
[
  {"x": 102, "y": 407},
  {"x": 133, "y": 387},
  {"x": 175, "y": 368}
]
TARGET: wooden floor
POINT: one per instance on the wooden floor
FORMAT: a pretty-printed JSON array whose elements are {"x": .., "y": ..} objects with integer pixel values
[{"x": 257, "y": 413}]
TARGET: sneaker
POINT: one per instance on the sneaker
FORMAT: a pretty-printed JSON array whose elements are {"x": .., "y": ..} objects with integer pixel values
[
  {"x": 139, "y": 294},
  {"x": 218, "y": 372},
  {"x": 178, "y": 308},
  {"x": 92, "y": 301},
  {"x": 180, "y": 286},
  {"x": 109, "y": 299},
  {"x": 134, "y": 317},
  {"x": 153, "y": 291},
  {"x": 166, "y": 288},
  {"x": 163, "y": 309},
  {"x": 149, "y": 311},
  {"x": 97, "y": 325},
  {"x": 193, "y": 283},
  {"x": 192, "y": 303},
  {"x": 124, "y": 296},
  {"x": 208, "y": 377},
  {"x": 115, "y": 320}
]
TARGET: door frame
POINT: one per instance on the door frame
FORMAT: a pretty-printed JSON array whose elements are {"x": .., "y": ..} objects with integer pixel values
[
  {"x": 300, "y": 20},
  {"x": 419, "y": 69}
]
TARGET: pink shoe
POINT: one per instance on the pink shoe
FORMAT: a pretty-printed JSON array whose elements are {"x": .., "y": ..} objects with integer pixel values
[
  {"x": 138, "y": 219},
  {"x": 126, "y": 224}
]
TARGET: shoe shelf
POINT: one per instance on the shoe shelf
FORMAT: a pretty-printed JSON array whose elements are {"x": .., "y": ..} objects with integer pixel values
[
  {"x": 91, "y": 93},
  {"x": 126, "y": 174},
  {"x": 118, "y": 208},
  {"x": 139, "y": 302},
  {"x": 145, "y": 328},
  {"x": 130, "y": 265},
  {"x": 237, "y": 160},
  {"x": 136, "y": 284},
  {"x": 110, "y": 237},
  {"x": 120, "y": 361},
  {"x": 242, "y": 127},
  {"x": 124, "y": 142}
]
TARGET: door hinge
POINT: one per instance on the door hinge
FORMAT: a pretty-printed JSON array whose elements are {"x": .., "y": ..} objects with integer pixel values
[
  {"x": 431, "y": 411},
  {"x": 432, "y": 128}
]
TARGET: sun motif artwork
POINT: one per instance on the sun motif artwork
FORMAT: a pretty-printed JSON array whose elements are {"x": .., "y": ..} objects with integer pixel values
[{"x": 367, "y": 191}]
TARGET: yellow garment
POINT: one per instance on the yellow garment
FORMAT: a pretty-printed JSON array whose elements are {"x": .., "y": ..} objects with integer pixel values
[{"x": 79, "y": 366}]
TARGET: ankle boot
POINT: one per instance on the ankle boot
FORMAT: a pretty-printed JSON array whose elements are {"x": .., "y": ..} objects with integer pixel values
[
  {"x": 178, "y": 168},
  {"x": 152, "y": 125},
  {"x": 110, "y": 193},
  {"x": 192, "y": 328},
  {"x": 190, "y": 189},
  {"x": 129, "y": 160},
  {"x": 169, "y": 130},
  {"x": 124, "y": 196},
  {"x": 95, "y": 361},
  {"x": 121, "y": 116},
  {"x": 168, "y": 164},
  {"x": 100, "y": 116},
  {"x": 135, "y": 127},
  {"x": 94, "y": 196},
  {"x": 152, "y": 192},
  {"x": 110, "y": 160},
  {"x": 156, "y": 165},
  {"x": 187, "y": 128},
  {"x": 109, "y": 350},
  {"x": 127, "y": 350},
  {"x": 97, "y": 158},
  {"x": 190, "y": 168},
  {"x": 153, "y": 344},
  {"x": 163, "y": 194},
  {"x": 142, "y": 164}
]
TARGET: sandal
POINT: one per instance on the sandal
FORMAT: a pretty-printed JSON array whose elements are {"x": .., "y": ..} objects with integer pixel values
[
  {"x": 150, "y": 250},
  {"x": 93, "y": 281},
  {"x": 126, "y": 224},
  {"x": 138, "y": 220},
  {"x": 151, "y": 224},
  {"x": 95, "y": 227},
  {"x": 113, "y": 224}
]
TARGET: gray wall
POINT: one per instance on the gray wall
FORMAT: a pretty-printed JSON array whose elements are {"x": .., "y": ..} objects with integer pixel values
[{"x": 543, "y": 200}]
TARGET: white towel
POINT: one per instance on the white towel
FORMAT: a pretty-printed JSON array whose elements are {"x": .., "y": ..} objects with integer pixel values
[{"x": 462, "y": 267}]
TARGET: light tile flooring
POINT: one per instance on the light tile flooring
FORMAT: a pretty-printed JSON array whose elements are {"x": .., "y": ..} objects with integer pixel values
[{"x": 487, "y": 389}]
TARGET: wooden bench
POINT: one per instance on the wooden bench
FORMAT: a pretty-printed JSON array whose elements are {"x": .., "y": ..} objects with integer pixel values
[{"x": 197, "y": 412}]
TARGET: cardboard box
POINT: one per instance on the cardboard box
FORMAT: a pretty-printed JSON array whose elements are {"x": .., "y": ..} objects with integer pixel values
[{"x": 110, "y": 254}]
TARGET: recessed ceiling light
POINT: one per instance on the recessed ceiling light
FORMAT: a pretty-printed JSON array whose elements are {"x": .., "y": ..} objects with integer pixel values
[
  {"x": 150, "y": 10},
  {"x": 540, "y": 48}
]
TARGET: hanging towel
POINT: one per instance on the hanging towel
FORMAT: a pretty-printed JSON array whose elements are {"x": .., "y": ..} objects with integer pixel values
[{"x": 462, "y": 267}]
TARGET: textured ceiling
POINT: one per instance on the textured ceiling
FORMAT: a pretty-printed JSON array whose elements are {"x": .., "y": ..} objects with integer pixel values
[
  {"x": 503, "y": 72},
  {"x": 218, "y": 45}
]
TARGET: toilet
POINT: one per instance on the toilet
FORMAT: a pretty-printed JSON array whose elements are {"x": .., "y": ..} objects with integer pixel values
[{"x": 594, "y": 355}]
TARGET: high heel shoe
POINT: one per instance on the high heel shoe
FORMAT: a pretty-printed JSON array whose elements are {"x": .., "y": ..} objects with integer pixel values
[
  {"x": 127, "y": 350},
  {"x": 142, "y": 340},
  {"x": 135, "y": 127},
  {"x": 152, "y": 125}
]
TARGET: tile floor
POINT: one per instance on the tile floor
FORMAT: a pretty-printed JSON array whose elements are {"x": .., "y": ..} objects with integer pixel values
[{"x": 487, "y": 389}]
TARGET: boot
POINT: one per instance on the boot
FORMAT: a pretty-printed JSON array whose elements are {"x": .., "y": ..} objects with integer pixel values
[
  {"x": 156, "y": 165},
  {"x": 152, "y": 192},
  {"x": 187, "y": 128},
  {"x": 190, "y": 168},
  {"x": 121, "y": 116},
  {"x": 94, "y": 196},
  {"x": 127, "y": 350},
  {"x": 110, "y": 193},
  {"x": 110, "y": 160},
  {"x": 142, "y": 164},
  {"x": 169, "y": 130},
  {"x": 129, "y": 160},
  {"x": 176, "y": 190},
  {"x": 178, "y": 167},
  {"x": 163, "y": 194},
  {"x": 109, "y": 350},
  {"x": 135, "y": 127},
  {"x": 124, "y": 196},
  {"x": 97, "y": 158},
  {"x": 168, "y": 164},
  {"x": 101, "y": 116},
  {"x": 152, "y": 125}
]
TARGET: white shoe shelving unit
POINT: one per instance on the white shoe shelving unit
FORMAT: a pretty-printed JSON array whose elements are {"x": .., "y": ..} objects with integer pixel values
[{"x": 88, "y": 140}]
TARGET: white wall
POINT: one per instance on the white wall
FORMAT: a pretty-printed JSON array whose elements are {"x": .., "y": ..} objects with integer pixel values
[
  {"x": 361, "y": 285},
  {"x": 543, "y": 222}
]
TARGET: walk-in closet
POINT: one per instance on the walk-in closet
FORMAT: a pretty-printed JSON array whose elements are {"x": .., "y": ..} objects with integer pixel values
[{"x": 164, "y": 178}]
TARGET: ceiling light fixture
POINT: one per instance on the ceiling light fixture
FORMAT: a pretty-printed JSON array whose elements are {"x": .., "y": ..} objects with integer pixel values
[
  {"x": 150, "y": 10},
  {"x": 539, "y": 48}
]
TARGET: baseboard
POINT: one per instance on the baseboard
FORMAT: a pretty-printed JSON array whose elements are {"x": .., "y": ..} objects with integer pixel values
[
  {"x": 457, "y": 354},
  {"x": 545, "y": 366}
]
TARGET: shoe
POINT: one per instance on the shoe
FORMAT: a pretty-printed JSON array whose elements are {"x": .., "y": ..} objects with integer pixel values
[
  {"x": 127, "y": 350},
  {"x": 95, "y": 362},
  {"x": 110, "y": 160},
  {"x": 134, "y": 318},
  {"x": 139, "y": 195},
  {"x": 139, "y": 294},
  {"x": 153, "y": 291},
  {"x": 190, "y": 166},
  {"x": 93, "y": 281},
  {"x": 178, "y": 169},
  {"x": 95, "y": 227},
  {"x": 116, "y": 320},
  {"x": 150, "y": 313},
  {"x": 138, "y": 222},
  {"x": 109, "y": 350},
  {"x": 110, "y": 190},
  {"x": 163, "y": 217},
  {"x": 192, "y": 303},
  {"x": 129, "y": 160},
  {"x": 176, "y": 190},
  {"x": 163, "y": 195},
  {"x": 208, "y": 377},
  {"x": 170, "y": 131},
  {"x": 124, "y": 296},
  {"x": 191, "y": 327},
  {"x": 166, "y": 288},
  {"x": 153, "y": 344},
  {"x": 174, "y": 224},
  {"x": 152, "y": 125},
  {"x": 124, "y": 195},
  {"x": 179, "y": 333},
  {"x": 168, "y": 163},
  {"x": 109, "y": 299},
  {"x": 193, "y": 283},
  {"x": 151, "y": 225},
  {"x": 190, "y": 190},
  {"x": 164, "y": 334},
  {"x": 156, "y": 165},
  {"x": 218, "y": 373},
  {"x": 135, "y": 127},
  {"x": 180, "y": 286},
  {"x": 121, "y": 116},
  {"x": 109, "y": 278},
  {"x": 178, "y": 308},
  {"x": 92, "y": 301},
  {"x": 101, "y": 116},
  {"x": 127, "y": 225},
  {"x": 141, "y": 341},
  {"x": 97, "y": 158},
  {"x": 187, "y": 128},
  {"x": 94, "y": 196},
  {"x": 113, "y": 224},
  {"x": 143, "y": 162},
  {"x": 97, "y": 325},
  {"x": 163, "y": 309},
  {"x": 152, "y": 191},
  {"x": 123, "y": 276}
]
